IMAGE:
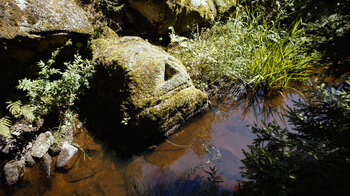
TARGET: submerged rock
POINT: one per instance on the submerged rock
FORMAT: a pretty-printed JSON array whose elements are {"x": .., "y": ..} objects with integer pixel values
[
  {"x": 157, "y": 93},
  {"x": 47, "y": 161},
  {"x": 29, "y": 159},
  {"x": 13, "y": 171},
  {"x": 182, "y": 15},
  {"x": 67, "y": 152},
  {"x": 42, "y": 144}
]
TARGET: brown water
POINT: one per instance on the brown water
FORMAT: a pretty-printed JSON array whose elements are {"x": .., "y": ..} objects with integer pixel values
[{"x": 176, "y": 166}]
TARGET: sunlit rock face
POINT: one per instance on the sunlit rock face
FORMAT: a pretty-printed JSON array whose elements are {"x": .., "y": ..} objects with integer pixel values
[
  {"x": 180, "y": 14},
  {"x": 34, "y": 17},
  {"x": 223, "y": 6},
  {"x": 159, "y": 94}
]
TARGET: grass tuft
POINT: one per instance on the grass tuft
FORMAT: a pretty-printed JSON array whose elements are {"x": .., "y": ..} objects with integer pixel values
[{"x": 246, "y": 49}]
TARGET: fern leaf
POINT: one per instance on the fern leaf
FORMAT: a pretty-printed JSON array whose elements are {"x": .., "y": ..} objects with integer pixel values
[
  {"x": 5, "y": 124},
  {"x": 28, "y": 112},
  {"x": 14, "y": 108}
]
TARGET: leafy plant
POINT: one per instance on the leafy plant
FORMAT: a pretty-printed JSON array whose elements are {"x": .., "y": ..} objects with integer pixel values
[
  {"x": 54, "y": 91},
  {"x": 5, "y": 124},
  {"x": 214, "y": 181},
  {"x": 312, "y": 159},
  {"x": 18, "y": 110},
  {"x": 48, "y": 94}
]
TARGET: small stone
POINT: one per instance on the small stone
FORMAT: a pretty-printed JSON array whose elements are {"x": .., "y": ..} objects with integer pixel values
[
  {"x": 55, "y": 149},
  {"x": 13, "y": 170},
  {"x": 7, "y": 144},
  {"x": 29, "y": 159},
  {"x": 67, "y": 152},
  {"x": 42, "y": 144},
  {"x": 47, "y": 160}
]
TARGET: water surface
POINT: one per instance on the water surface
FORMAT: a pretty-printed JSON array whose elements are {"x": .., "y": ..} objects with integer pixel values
[{"x": 175, "y": 166}]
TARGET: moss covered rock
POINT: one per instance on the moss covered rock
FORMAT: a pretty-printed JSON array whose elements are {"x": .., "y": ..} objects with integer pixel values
[
  {"x": 181, "y": 14},
  {"x": 223, "y": 6},
  {"x": 159, "y": 95},
  {"x": 35, "y": 17}
]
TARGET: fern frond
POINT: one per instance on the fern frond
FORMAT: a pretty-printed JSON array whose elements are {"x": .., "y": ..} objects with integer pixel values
[
  {"x": 18, "y": 110},
  {"x": 5, "y": 124},
  {"x": 15, "y": 108},
  {"x": 28, "y": 112}
]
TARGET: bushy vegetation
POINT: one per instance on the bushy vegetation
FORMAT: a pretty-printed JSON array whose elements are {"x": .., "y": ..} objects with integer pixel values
[
  {"x": 327, "y": 22},
  {"x": 48, "y": 93},
  {"x": 312, "y": 159},
  {"x": 248, "y": 49},
  {"x": 53, "y": 91}
]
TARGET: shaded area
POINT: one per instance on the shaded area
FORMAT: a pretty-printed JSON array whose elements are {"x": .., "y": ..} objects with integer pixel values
[
  {"x": 19, "y": 58},
  {"x": 104, "y": 109}
]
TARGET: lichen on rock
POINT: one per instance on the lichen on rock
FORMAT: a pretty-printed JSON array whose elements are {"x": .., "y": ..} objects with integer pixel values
[
  {"x": 33, "y": 17},
  {"x": 181, "y": 14},
  {"x": 160, "y": 92},
  {"x": 42, "y": 144},
  {"x": 223, "y": 6},
  {"x": 13, "y": 171},
  {"x": 67, "y": 152}
]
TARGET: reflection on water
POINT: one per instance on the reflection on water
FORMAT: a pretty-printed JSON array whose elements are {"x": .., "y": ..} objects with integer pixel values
[{"x": 173, "y": 167}]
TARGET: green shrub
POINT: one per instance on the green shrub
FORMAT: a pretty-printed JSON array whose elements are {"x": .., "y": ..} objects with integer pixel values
[
  {"x": 313, "y": 159},
  {"x": 53, "y": 91},
  {"x": 47, "y": 93},
  {"x": 246, "y": 48}
]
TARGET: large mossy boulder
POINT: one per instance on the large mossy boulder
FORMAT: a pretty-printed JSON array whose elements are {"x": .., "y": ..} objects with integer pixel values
[
  {"x": 36, "y": 17},
  {"x": 154, "y": 90},
  {"x": 180, "y": 14},
  {"x": 31, "y": 29}
]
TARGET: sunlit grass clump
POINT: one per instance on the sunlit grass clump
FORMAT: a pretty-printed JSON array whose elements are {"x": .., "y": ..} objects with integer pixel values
[{"x": 246, "y": 49}]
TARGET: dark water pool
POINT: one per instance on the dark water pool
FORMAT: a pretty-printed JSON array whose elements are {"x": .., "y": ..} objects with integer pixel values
[{"x": 175, "y": 167}]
